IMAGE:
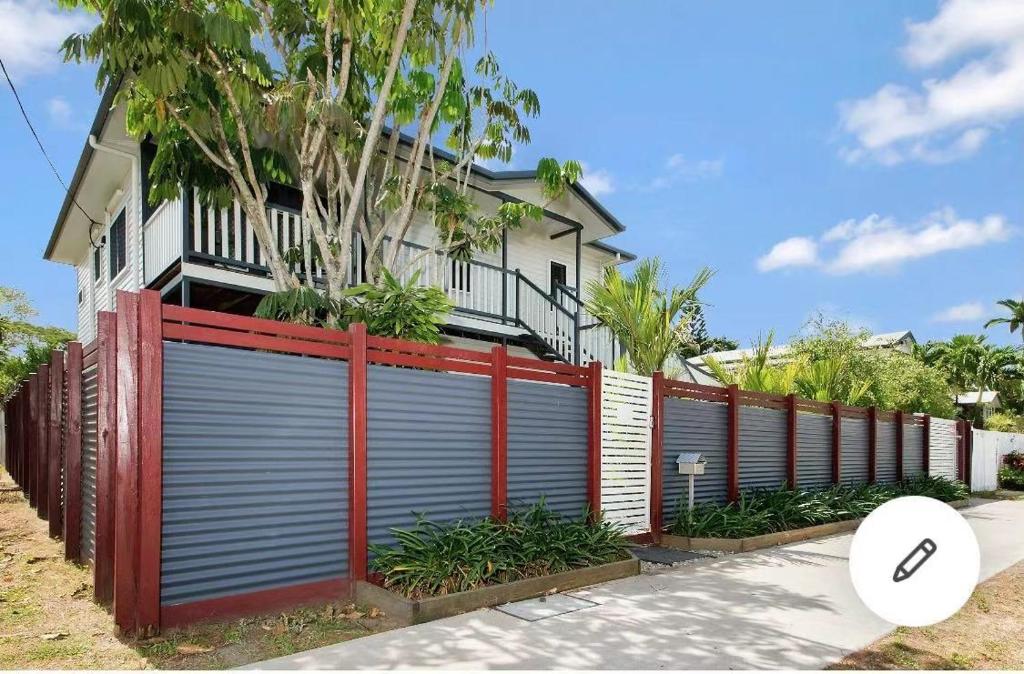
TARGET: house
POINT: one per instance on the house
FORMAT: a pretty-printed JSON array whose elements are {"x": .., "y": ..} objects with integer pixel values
[
  {"x": 525, "y": 295},
  {"x": 902, "y": 341},
  {"x": 969, "y": 402}
]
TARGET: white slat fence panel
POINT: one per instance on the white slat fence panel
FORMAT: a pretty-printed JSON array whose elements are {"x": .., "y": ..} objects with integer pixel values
[{"x": 626, "y": 450}]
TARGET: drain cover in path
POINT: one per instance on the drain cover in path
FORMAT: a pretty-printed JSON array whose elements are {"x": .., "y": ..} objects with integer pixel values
[
  {"x": 544, "y": 607},
  {"x": 659, "y": 555}
]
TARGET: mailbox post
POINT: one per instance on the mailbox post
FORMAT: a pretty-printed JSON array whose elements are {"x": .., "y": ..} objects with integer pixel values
[{"x": 691, "y": 464}]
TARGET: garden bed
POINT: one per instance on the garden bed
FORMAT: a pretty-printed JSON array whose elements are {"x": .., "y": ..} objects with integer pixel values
[
  {"x": 405, "y": 611},
  {"x": 771, "y": 540}
]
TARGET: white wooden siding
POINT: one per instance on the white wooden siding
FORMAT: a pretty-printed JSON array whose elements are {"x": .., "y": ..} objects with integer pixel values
[{"x": 162, "y": 239}]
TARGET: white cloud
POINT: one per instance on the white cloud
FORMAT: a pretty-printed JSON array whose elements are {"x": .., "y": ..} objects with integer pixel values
[
  {"x": 60, "y": 111},
  {"x": 597, "y": 181},
  {"x": 798, "y": 251},
  {"x": 31, "y": 33},
  {"x": 945, "y": 118},
  {"x": 679, "y": 168},
  {"x": 961, "y": 313},
  {"x": 881, "y": 243}
]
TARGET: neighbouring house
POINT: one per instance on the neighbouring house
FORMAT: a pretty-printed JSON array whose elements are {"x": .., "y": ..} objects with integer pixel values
[
  {"x": 969, "y": 402},
  {"x": 526, "y": 295},
  {"x": 902, "y": 341}
]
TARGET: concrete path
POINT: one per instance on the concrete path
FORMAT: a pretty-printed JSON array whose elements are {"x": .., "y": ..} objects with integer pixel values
[{"x": 789, "y": 607}]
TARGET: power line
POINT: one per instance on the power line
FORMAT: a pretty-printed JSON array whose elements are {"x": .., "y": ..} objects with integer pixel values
[{"x": 42, "y": 149}]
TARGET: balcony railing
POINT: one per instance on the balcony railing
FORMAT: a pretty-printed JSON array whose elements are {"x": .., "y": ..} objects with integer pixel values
[{"x": 221, "y": 237}]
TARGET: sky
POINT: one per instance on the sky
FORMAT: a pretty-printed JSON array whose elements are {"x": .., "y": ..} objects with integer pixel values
[{"x": 861, "y": 160}]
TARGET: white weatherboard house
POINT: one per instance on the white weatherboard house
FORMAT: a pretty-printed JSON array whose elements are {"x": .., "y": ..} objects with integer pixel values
[{"x": 525, "y": 295}]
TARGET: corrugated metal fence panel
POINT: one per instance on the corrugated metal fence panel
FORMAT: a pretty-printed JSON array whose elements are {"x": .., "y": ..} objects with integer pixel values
[
  {"x": 813, "y": 450},
  {"x": 694, "y": 426},
  {"x": 762, "y": 449},
  {"x": 89, "y": 450},
  {"x": 853, "y": 464},
  {"x": 913, "y": 459},
  {"x": 255, "y": 471},
  {"x": 428, "y": 448},
  {"x": 942, "y": 452},
  {"x": 547, "y": 446},
  {"x": 885, "y": 462}
]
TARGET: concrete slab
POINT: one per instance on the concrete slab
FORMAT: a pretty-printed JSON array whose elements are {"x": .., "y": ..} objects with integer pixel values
[
  {"x": 789, "y": 607},
  {"x": 540, "y": 608}
]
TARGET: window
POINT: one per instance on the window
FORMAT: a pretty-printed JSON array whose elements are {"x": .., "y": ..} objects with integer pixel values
[
  {"x": 460, "y": 276},
  {"x": 117, "y": 252},
  {"x": 557, "y": 276},
  {"x": 96, "y": 263}
]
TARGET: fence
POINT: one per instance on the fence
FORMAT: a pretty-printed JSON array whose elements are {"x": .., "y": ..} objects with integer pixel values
[
  {"x": 209, "y": 465},
  {"x": 989, "y": 449}
]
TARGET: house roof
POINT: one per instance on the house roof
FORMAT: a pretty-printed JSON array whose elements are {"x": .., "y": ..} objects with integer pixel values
[
  {"x": 888, "y": 339},
  {"x": 106, "y": 105},
  {"x": 971, "y": 398}
]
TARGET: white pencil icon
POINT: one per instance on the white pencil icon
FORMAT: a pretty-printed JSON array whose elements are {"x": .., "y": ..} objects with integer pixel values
[{"x": 912, "y": 562}]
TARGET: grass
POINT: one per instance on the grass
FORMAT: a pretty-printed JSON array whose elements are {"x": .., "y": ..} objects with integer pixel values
[
  {"x": 432, "y": 559},
  {"x": 984, "y": 634},
  {"x": 49, "y": 621},
  {"x": 766, "y": 511}
]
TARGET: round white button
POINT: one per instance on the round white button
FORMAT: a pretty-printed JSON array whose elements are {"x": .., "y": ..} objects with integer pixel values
[{"x": 914, "y": 561}]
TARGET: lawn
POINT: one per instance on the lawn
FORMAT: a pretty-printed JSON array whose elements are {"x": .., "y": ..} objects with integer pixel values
[
  {"x": 985, "y": 634},
  {"x": 49, "y": 621}
]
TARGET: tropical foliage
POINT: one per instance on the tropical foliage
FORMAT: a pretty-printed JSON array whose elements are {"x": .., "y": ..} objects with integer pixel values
[
  {"x": 701, "y": 341},
  {"x": 765, "y": 511},
  {"x": 651, "y": 322},
  {"x": 1015, "y": 320},
  {"x": 24, "y": 346},
  {"x": 318, "y": 95},
  {"x": 436, "y": 559},
  {"x": 1005, "y": 422},
  {"x": 1011, "y": 472}
]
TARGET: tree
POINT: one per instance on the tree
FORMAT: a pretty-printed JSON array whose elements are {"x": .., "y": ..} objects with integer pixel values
[
  {"x": 701, "y": 342},
  {"x": 756, "y": 373},
  {"x": 237, "y": 94},
  {"x": 1016, "y": 318},
  {"x": 651, "y": 323},
  {"x": 24, "y": 346}
]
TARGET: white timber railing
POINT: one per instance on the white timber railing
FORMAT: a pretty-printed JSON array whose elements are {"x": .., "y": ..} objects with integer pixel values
[{"x": 161, "y": 239}]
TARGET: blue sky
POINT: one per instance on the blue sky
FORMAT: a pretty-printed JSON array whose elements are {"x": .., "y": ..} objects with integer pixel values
[{"x": 861, "y": 159}]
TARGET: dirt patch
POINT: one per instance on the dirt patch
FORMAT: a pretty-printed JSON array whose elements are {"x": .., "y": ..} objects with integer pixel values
[
  {"x": 48, "y": 619},
  {"x": 985, "y": 634}
]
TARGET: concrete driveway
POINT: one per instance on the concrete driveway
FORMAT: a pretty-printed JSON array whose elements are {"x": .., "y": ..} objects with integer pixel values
[{"x": 789, "y": 607}]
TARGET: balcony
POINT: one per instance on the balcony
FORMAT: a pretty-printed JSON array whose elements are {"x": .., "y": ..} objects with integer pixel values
[{"x": 485, "y": 296}]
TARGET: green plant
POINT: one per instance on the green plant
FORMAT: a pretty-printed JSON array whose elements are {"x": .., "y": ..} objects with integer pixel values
[
  {"x": 765, "y": 511},
  {"x": 402, "y": 310},
  {"x": 650, "y": 322},
  {"x": 1016, "y": 318},
  {"x": 1011, "y": 473},
  {"x": 436, "y": 559},
  {"x": 303, "y": 305},
  {"x": 1005, "y": 422},
  {"x": 24, "y": 346}
]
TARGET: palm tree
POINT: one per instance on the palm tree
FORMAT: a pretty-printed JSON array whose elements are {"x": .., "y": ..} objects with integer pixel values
[
  {"x": 1015, "y": 319},
  {"x": 649, "y": 322},
  {"x": 961, "y": 358},
  {"x": 756, "y": 373}
]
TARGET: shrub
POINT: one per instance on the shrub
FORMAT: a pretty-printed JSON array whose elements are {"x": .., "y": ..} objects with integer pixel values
[
  {"x": 436, "y": 559},
  {"x": 765, "y": 511},
  {"x": 1011, "y": 473}
]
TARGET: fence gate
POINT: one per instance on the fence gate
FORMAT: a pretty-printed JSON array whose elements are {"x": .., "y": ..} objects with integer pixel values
[{"x": 626, "y": 450}]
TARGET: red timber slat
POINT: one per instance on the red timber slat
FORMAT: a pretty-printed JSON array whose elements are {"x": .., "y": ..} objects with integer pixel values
[
  {"x": 233, "y": 322},
  {"x": 73, "y": 455},
  {"x": 547, "y": 377},
  {"x": 106, "y": 456},
  {"x": 427, "y": 362},
  {"x": 681, "y": 389},
  {"x": 126, "y": 492},
  {"x": 375, "y": 343},
  {"x": 150, "y": 383},
  {"x": 54, "y": 435},
  {"x": 499, "y": 432},
  {"x": 42, "y": 441},
  {"x": 357, "y": 463},
  {"x": 759, "y": 399},
  {"x": 547, "y": 366},
  {"x": 208, "y": 335}
]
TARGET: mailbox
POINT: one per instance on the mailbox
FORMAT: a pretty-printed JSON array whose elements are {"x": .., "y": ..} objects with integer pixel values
[{"x": 691, "y": 463}]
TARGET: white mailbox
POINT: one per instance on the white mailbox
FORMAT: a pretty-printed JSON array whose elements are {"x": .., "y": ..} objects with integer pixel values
[{"x": 691, "y": 463}]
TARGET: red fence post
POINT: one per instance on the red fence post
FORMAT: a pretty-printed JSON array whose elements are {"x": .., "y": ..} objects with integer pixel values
[
  {"x": 595, "y": 371},
  {"x": 872, "y": 444},
  {"x": 106, "y": 455},
  {"x": 126, "y": 487},
  {"x": 926, "y": 444},
  {"x": 499, "y": 432},
  {"x": 43, "y": 442},
  {"x": 732, "y": 460},
  {"x": 73, "y": 455},
  {"x": 837, "y": 442},
  {"x": 53, "y": 433},
  {"x": 150, "y": 504},
  {"x": 657, "y": 454},
  {"x": 791, "y": 448},
  {"x": 29, "y": 429},
  {"x": 357, "y": 453},
  {"x": 899, "y": 445}
]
